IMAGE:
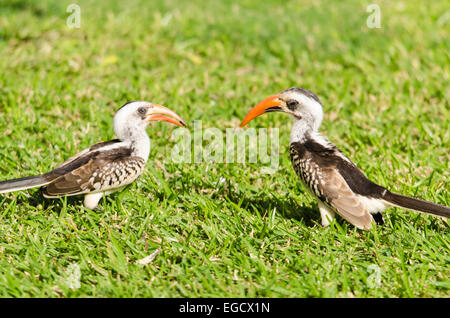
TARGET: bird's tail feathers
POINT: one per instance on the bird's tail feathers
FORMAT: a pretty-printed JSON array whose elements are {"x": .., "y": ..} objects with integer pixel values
[
  {"x": 23, "y": 183},
  {"x": 417, "y": 204}
]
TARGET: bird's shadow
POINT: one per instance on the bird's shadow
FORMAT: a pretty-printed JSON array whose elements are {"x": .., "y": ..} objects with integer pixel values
[
  {"x": 288, "y": 208},
  {"x": 36, "y": 199},
  {"x": 261, "y": 202}
]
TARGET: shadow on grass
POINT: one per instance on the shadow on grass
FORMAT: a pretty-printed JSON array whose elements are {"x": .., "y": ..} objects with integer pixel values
[
  {"x": 288, "y": 208},
  {"x": 57, "y": 205},
  {"x": 262, "y": 203}
]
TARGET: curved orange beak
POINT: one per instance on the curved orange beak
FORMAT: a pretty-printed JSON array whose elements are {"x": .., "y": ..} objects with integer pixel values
[
  {"x": 270, "y": 104},
  {"x": 161, "y": 113}
]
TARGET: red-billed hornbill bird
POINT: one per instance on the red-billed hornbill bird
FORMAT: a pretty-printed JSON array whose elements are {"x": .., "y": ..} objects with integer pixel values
[
  {"x": 328, "y": 175},
  {"x": 104, "y": 167}
]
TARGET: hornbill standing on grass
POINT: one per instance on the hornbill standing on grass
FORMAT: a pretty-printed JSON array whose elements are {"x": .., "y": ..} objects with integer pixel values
[
  {"x": 104, "y": 167},
  {"x": 328, "y": 175}
]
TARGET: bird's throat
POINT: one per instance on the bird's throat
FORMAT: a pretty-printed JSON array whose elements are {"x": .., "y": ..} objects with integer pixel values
[
  {"x": 300, "y": 130},
  {"x": 141, "y": 148},
  {"x": 139, "y": 142}
]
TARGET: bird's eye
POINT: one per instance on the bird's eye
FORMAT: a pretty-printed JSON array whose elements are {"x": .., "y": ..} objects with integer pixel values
[
  {"x": 292, "y": 104},
  {"x": 142, "y": 110}
]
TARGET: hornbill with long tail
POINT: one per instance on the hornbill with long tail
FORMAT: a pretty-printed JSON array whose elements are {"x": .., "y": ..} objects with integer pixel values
[
  {"x": 335, "y": 181},
  {"x": 104, "y": 167}
]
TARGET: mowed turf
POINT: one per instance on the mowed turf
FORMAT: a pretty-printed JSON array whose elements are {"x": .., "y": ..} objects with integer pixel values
[{"x": 223, "y": 229}]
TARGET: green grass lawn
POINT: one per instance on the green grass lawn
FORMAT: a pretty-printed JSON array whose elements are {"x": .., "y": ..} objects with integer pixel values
[{"x": 386, "y": 99}]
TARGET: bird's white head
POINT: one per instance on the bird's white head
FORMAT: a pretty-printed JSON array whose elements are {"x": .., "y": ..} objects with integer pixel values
[
  {"x": 133, "y": 118},
  {"x": 303, "y": 105}
]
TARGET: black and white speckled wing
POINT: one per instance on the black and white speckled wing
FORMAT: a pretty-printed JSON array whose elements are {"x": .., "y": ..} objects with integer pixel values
[
  {"x": 102, "y": 171},
  {"x": 320, "y": 175}
]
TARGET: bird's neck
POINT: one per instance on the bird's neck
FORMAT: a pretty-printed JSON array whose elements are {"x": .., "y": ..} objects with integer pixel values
[
  {"x": 301, "y": 131},
  {"x": 141, "y": 147},
  {"x": 138, "y": 141}
]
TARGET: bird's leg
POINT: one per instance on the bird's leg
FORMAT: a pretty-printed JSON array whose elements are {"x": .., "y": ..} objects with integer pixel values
[
  {"x": 326, "y": 213},
  {"x": 91, "y": 200}
]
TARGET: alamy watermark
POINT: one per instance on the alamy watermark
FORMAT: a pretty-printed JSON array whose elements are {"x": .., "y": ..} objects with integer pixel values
[
  {"x": 234, "y": 145},
  {"x": 374, "y": 279},
  {"x": 74, "y": 19},
  {"x": 73, "y": 276},
  {"x": 374, "y": 19}
]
